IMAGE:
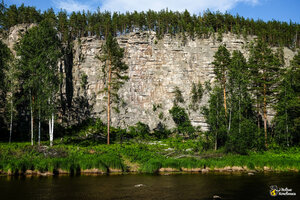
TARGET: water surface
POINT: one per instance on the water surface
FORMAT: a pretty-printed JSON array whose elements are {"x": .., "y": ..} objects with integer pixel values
[{"x": 160, "y": 187}]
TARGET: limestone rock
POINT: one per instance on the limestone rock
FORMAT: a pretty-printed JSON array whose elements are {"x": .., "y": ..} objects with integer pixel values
[{"x": 156, "y": 67}]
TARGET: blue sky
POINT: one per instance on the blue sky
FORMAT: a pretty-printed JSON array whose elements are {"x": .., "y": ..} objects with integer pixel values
[{"x": 283, "y": 10}]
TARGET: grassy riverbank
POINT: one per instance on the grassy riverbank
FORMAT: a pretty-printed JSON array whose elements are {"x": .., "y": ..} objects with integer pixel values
[{"x": 146, "y": 157}]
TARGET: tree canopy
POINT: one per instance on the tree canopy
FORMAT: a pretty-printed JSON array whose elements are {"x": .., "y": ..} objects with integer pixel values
[{"x": 79, "y": 24}]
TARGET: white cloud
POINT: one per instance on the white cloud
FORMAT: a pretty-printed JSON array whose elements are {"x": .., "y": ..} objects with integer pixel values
[
  {"x": 194, "y": 6},
  {"x": 71, "y": 5}
]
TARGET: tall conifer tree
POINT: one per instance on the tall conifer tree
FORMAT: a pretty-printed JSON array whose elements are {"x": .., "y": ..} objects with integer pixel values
[
  {"x": 114, "y": 68},
  {"x": 221, "y": 64},
  {"x": 264, "y": 68}
]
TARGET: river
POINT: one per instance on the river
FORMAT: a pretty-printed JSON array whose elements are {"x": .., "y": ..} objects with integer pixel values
[{"x": 148, "y": 187}]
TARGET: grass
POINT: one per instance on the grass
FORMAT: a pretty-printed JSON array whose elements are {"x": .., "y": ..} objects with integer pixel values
[{"x": 19, "y": 157}]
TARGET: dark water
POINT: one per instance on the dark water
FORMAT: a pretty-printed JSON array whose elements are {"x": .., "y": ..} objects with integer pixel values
[{"x": 160, "y": 187}]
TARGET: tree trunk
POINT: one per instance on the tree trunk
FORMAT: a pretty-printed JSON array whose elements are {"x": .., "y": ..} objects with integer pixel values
[
  {"x": 286, "y": 122},
  {"x": 216, "y": 134},
  {"x": 52, "y": 130},
  {"x": 257, "y": 110},
  {"x": 31, "y": 118},
  {"x": 11, "y": 119},
  {"x": 287, "y": 128},
  {"x": 108, "y": 100},
  {"x": 240, "y": 114},
  {"x": 216, "y": 141},
  {"x": 229, "y": 122},
  {"x": 51, "y": 126},
  {"x": 265, "y": 116},
  {"x": 224, "y": 93},
  {"x": 39, "y": 140}
]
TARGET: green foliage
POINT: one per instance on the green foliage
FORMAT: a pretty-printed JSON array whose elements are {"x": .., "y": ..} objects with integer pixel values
[
  {"x": 18, "y": 157},
  {"x": 92, "y": 132},
  {"x": 160, "y": 131},
  {"x": 163, "y": 22},
  {"x": 152, "y": 166},
  {"x": 5, "y": 56},
  {"x": 196, "y": 95},
  {"x": 178, "y": 95},
  {"x": 243, "y": 141},
  {"x": 156, "y": 106},
  {"x": 287, "y": 119},
  {"x": 242, "y": 123},
  {"x": 6, "y": 80},
  {"x": 112, "y": 57},
  {"x": 140, "y": 130},
  {"x": 221, "y": 64},
  {"x": 161, "y": 115},
  {"x": 264, "y": 68},
  {"x": 39, "y": 51},
  {"x": 236, "y": 130},
  {"x": 83, "y": 81},
  {"x": 220, "y": 35},
  {"x": 214, "y": 115},
  {"x": 181, "y": 120}
]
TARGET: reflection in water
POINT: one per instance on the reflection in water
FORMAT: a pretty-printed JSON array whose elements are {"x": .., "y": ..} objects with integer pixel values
[{"x": 185, "y": 186}]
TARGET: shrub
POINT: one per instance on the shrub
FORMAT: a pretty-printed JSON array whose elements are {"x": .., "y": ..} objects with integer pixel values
[
  {"x": 139, "y": 130},
  {"x": 181, "y": 119},
  {"x": 160, "y": 131}
]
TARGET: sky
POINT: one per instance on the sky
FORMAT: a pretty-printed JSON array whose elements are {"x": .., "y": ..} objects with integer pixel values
[{"x": 282, "y": 10}]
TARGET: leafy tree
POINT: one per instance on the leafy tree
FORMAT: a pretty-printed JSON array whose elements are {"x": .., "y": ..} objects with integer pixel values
[
  {"x": 140, "y": 129},
  {"x": 241, "y": 124},
  {"x": 114, "y": 68},
  {"x": 12, "y": 86},
  {"x": 181, "y": 120},
  {"x": 214, "y": 116},
  {"x": 160, "y": 131},
  {"x": 39, "y": 51},
  {"x": 5, "y": 57}
]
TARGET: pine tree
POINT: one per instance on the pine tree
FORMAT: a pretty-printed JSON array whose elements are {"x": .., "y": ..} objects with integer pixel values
[
  {"x": 264, "y": 68},
  {"x": 221, "y": 64},
  {"x": 287, "y": 119},
  {"x": 241, "y": 125},
  {"x": 114, "y": 68}
]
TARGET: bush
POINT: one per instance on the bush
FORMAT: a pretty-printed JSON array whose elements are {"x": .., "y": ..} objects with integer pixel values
[
  {"x": 160, "y": 131},
  {"x": 140, "y": 130},
  {"x": 181, "y": 119},
  {"x": 241, "y": 142}
]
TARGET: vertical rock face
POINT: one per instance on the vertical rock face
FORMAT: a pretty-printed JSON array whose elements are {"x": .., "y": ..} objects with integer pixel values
[{"x": 156, "y": 67}]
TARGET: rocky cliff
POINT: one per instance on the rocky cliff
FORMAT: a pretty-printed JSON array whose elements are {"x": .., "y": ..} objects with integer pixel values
[{"x": 156, "y": 67}]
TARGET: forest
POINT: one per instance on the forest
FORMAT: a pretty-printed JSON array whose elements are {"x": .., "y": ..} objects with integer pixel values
[
  {"x": 85, "y": 23},
  {"x": 239, "y": 100}
]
